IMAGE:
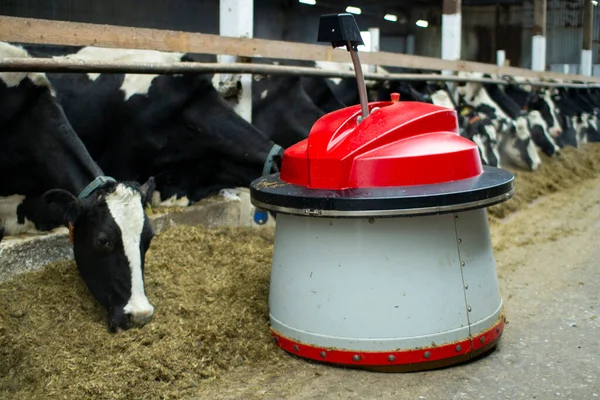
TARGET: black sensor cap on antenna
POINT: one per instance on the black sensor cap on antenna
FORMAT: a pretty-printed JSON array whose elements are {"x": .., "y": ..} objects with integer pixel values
[{"x": 339, "y": 29}]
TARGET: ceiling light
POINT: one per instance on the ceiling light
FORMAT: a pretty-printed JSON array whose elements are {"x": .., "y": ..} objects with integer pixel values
[
  {"x": 390, "y": 17},
  {"x": 353, "y": 10},
  {"x": 594, "y": 2},
  {"x": 310, "y": 2},
  {"x": 422, "y": 23}
]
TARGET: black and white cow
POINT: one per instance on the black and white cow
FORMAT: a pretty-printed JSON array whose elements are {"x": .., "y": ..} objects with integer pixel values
[
  {"x": 286, "y": 107},
  {"x": 282, "y": 109},
  {"x": 476, "y": 126},
  {"x": 569, "y": 135},
  {"x": 594, "y": 95},
  {"x": 544, "y": 126},
  {"x": 569, "y": 122},
  {"x": 574, "y": 112},
  {"x": 48, "y": 179},
  {"x": 515, "y": 138},
  {"x": 588, "y": 113},
  {"x": 320, "y": 92},
  {"x": 345, "y": 90},
  {"x": 176, "y": 128},
  {"x": 561, "y": 127},
  {"x": 536, "y": 125},
  {"x": 582, "y": 98}
]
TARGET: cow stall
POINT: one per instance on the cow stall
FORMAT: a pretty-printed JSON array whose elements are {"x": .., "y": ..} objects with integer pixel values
[{"x": 237, "y": 279}]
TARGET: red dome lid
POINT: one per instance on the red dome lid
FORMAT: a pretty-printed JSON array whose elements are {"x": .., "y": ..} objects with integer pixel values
[{"x": 398, "y": 144}]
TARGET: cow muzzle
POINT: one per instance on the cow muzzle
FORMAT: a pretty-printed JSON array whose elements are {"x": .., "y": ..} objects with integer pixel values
[
  {"x": 140, "y": 319},
  {"x": 129, "y": 321},
  {"x": 555, "y": 132},
  {"x": 121, "y": 319}
]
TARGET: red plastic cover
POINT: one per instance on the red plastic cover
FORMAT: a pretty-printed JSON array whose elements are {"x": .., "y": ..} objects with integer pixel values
[{"x": 398, "y": 144}]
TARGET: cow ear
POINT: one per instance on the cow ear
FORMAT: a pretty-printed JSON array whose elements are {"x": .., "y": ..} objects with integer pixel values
[
  {"x": 66, "y": 206},
  {"x": 147, "y": 190}
]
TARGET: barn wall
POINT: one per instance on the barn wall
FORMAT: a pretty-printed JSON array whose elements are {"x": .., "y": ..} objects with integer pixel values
[
  {"x": 428, "y": 40},
  {"x": 393, "y": 44},
  {"x": 490, "y": 28},
  {"x": 508, "y": 27},
  {"x": 485, "y": 29},
  {"x": 564, "y": 32}
]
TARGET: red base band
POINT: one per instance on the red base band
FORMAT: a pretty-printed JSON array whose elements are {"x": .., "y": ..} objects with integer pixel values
[{"x": 461, "y": 350}]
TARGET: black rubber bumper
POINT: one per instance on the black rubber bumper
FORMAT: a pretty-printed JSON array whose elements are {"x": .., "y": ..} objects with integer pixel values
[{"x": 494, "y": 186}]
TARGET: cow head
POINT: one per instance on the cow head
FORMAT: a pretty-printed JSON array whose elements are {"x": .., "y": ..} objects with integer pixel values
[
  {"x": 468, "y": 91},
  {"x": 207, "y": 131},
  {"x": 480, "y": 129},
  {"x": 539, "y": 133},
  {"x": 545, "y": 105},
  {"x": 519, "y": 146},
  {"x": 110, "y": 233},
  {"x": 569, "y": 134},
  {"x": 583, "y": 127},
  {"x": 487, "y": 131},
  {"x": 588, "y": 128},
  {"x": 272, "y": 114}
]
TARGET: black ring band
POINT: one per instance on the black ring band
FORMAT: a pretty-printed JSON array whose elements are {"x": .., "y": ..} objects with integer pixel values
[{"x": 495, "y": 185}]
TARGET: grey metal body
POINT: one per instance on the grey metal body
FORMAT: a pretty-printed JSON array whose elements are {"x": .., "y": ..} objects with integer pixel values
[{"x": 382, "y": 284}]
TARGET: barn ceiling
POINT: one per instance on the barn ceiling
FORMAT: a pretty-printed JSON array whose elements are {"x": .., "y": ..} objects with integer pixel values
[
  {"x": 378, "y": 7},
  {"x": 405, "y": 11}
]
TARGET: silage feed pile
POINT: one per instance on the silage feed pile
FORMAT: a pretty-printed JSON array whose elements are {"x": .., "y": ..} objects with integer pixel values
[
  {"x": 210, "y": 291},
  {"x": 560, "y": 172}
]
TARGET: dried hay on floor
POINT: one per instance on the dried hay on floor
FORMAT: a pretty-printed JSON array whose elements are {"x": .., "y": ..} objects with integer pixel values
[
  {"x": 559, "y": 172},
  {"x": 209, "y": 288}
]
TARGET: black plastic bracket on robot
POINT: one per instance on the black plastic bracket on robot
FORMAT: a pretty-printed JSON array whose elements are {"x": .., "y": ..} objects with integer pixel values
[{"x": 340, "y": 30}]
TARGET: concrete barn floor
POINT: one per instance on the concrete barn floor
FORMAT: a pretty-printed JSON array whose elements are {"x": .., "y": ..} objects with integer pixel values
[{"x": 548, "y": 261}]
